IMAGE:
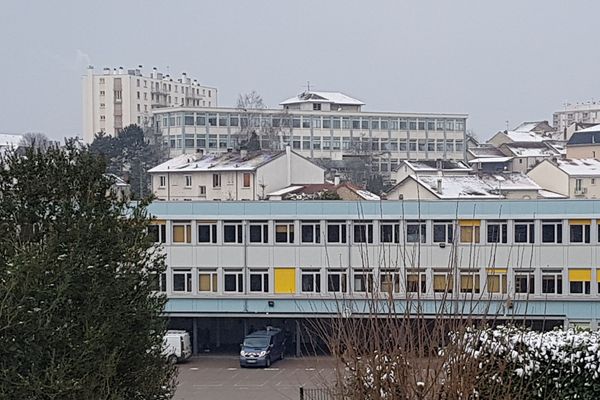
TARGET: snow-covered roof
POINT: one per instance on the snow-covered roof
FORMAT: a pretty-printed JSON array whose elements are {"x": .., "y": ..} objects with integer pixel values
[
  {"x": 10, "y": 140},
  {"x": 517, "y": 136},
  {"x": 322, "y": 97},
  {"x": 285, "y": 190},
  {"x": 424, "y": 166},
  {"x": 217, "y": 162},
  {"x": 485, "y": 151},
  {"x": 490, "y": 160},
  {"x": 579, "y": 167},
  {"x": 536, "y": 149},
  {"x": 510, "y": 181},
  {"x": 595, "y": 128},
  {"x": 547, "y": 194},
  {"x": 366, "y": 195}
]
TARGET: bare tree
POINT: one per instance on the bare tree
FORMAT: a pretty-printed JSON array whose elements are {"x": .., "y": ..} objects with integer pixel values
[
  {"x": 257, "y": 125},
  {"x": 37, "y": 140}
]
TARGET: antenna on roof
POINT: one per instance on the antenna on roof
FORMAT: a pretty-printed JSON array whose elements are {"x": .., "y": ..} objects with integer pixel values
[
  {"x": 308, "y": 86},
  {"x": 506, "y": 124}
]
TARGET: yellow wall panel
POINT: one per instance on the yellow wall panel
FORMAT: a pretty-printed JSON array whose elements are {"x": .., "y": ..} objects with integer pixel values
[
  {"x": 470, "y": 222},
  {"x": 285, "y": 280},
  {"x": 580, "y": 275},
  {"x": 580, "y": 221}
]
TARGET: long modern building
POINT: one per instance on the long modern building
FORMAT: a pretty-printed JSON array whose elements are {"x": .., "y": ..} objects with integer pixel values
[
  {"x": 326, "y": 125},
  {"x": 114, "y": 99},
  {"x": 234, "y": 266}
]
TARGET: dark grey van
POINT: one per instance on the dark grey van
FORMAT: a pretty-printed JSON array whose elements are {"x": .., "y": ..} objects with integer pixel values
[{"x": 261, "y": 348}]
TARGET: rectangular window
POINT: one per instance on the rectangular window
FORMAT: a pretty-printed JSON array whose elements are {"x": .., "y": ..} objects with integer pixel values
[
  {"x": 469, "y": 231},
  {"x": 162, "y": 181},
  {"x": 216, "y": 180},
  {"x": 232, "y": 232},
  {"x": 524, "y": 282},
  {"x": 259, "y": 280},
  {"x": 363, "y": 232},
  {"x": 284, "y": 232},
  {"x": 579, "y": 230},
  {"x": 182, "y": 232},
  {"x": 390, "y": 232},
  {"x": 207, "y": 232},
  {"x": 311, "y": 280},
  {"x": 497, "y": 232},
  {"x": 259, "y": 233},
  {"x": 416, "y": 231},
  {"x": 470, "y": 282},
  {"x": 497, "y": 280},
  {"x": 580, "y": 281},
  {"x": 182, "y": 280},
  {"x": 247, "y": 179},
  {"x": 202, "y": 191},
  {"x": 363, "y": 281},
  {"x": 389, "y": 281},
  {"x": 336, "y": 232},
  {"x": 416, "y": 282},
  {"x": 233, "y": 280},
  {"x": 552, "y": 282},
  {"x": 337, "y": 281},
  {"x": 552, "y": 231},
  {"x": 159, "y": 282},
  {"x": 188, "y": 181},
  {"x": 157, "y": 231},
  {"x": 207, "y": 280},
  {"x": 443, "y": 282},
  {"x": 443, "y": 231},
  {"x": 311, "y": 232},
  {"x": 524, "y": 232}
]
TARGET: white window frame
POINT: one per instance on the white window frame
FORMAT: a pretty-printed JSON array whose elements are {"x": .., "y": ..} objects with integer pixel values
[
  {"x": 312, "y": 275},
  {"x": 238, "y": 274},
  {"x": 342, "y": 230},
  {"x": 316, "y": 232},
  {"x": 341, "y": 276},
  {"x": 289, "y": 232},
  {"x": 263, "y": 274},
  {"x": 263, "y": 227},
  {"x": 213, "y": 277},
  {"x": 188, "y": 181},
  {"x": 213, "y": 232},
  {"x": 187, "y": 279}
]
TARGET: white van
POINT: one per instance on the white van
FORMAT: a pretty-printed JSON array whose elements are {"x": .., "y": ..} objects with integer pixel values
[{"x": 177, "y": 346}]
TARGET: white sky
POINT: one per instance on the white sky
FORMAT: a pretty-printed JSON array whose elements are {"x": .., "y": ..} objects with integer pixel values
[{"x": 505, "y": 60}]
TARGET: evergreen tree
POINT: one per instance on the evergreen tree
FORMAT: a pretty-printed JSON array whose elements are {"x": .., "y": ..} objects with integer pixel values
[{"x": 78, "y": 317}]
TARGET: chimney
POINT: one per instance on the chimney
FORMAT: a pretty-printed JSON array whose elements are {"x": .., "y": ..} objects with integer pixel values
[
  {"x": 120, "y": 70},
  {"x": 439, "y": 185},
  {"x": 243, "y": 153},
  {"x": 288, "y": 156},
  {"x": 336, "y": 180}
]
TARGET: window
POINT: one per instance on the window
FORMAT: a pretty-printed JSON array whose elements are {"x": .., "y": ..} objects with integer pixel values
[
  {"x": 232, "y": 232},
  {"x": 202, "y": 191},
  {"x": 182, "y": 232},
  {"x": 470, "y": 282},
  {"x": 363, "y": 232},
  {"x": 497, "y": 280},
  {"x": 182, "y": 280},
  {"x": 579, "y": 230},
  {"x": 580, "y": 281},
  {"x": 524, "y": 232},
  {"x": 416, "y": 231},
  {"x": 284, "y": 232},
  {"x": 188, "y": 181},
  {"x": 159, "y": 282},
  {"x": 551, "y": 231},
  {"x": 259, "y": 233},
  {"x": 311, "y": 280},
  {"x": 336, "y": 232},
  {"x": 469, "y": 231},
  {"x": 207, "y": 232},
  {"x": 443, "y": 231},
  {"x": 578, "y": 185},
  {"x": 259, "y": 280},
  {"x": 247, "y": 178},
  {"x": 390, "y": 232},
  {"x": 443, "y": 282},
  {"x": 524, "y": 282},
  {"x": 363, "y": 281},
  {"x": 216, "y": 180},
  {"x": 311, "y": 232},
  {"x": 317, "y": 106},
  {"x": 207, "y": 280},
  {"x": 389, "y": 281},
  {"x": 233, "y": 280},
  {"x": 337, "y": 281},
  {"x": 157, "y": 231},
  {"x": 552, "y": 282},
  {"x": 416, "y": 282},
  {"x": 497, "y": 232}
]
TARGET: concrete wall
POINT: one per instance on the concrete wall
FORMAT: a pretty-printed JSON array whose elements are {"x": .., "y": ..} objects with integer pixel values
[
  {"x": 550, "y": 177},
  {"x": 585, "y": 151}
]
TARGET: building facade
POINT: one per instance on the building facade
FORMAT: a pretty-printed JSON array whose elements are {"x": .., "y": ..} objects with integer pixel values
[
  {"x": 588, "y": 112},
  {"x": 574, "y": 178},
  {"x": 114, "y": 99}
]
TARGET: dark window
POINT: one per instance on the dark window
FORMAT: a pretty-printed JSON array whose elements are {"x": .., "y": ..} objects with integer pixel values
[
  {"x": 336, "y": 233},
  {"x": 497, "y": 233},
  {"x": 578, "y": 287},
  {"x": 259, "y": 234},
  {"x": 311, "y": 233},
  {"x": 552, "y": 232},
  {"x": 390, "y": 233},
  {"x": 207, "y": 233},
  {"x": 524, "y": 232},
  {"x": 157, "y": 233},
  {"x": 232, "y": 234},
  {"x": 442, "y": 232},
  {"x": 579, "y": 233},
  {"x": 415, "y": 233},
  {"x": 524, "y": 283},
  {"x": 363, "y": 233}
]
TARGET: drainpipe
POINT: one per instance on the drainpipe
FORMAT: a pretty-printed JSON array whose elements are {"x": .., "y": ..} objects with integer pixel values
[{"x": 288, "y": 155}]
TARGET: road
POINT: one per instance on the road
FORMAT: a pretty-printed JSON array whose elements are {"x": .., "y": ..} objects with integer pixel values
[{"x": 220, "y": 377}]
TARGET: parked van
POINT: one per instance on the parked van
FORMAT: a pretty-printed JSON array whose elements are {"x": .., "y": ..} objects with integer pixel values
[
  {"x": 261, "y": 348},
  {"x": 177, "y": 346}
]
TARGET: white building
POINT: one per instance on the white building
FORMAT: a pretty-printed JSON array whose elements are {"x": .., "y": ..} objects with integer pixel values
[
  {"x": 574, "y": 178},
  {"x": 232, "y": 176},
  {"x": 114, "y": 99},
  {"x": 9, "y": 142},
  {"x": 429, "y": 168},
  {"x": 588, "y": 112}
]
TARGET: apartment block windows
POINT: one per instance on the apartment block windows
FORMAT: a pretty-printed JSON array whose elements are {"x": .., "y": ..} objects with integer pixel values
[
  {"x": 524, "y": 232},
  {"x": 336, "y": 232},
  {"x": 469, "y": 231},
  {"x": 259, "y": 280},
  {"x": 390, "y": 232},
  {"x": 182, "y": 232},
  {"x": 207, "y": 232},
  {"x": 443, "y": 231},
  {"x": 337, "y": 281},
  {"x": 157, "y": 230},
  {"x": 443, "y": 282},
  {"x": 552, "y": 231},
  {"x": 497, "y": 280},
  {"x": 363, "y": 281},
  {"x": 580, "y": 281},
  {"x": 259, "y": 232},
  {"x": 579, "y": 230},
  {"x": 470, "y": 282},
  {"x": 182, "y": 280},
  {"x": 311, "y": 280},
  {"x": 216, "y": 180},
  {"x": 284, "y": 232},
  {"x": 207, "y": 280},
  {"x": 363, "y": 232},
  {"x": 311, "y": 231},
  {"x": 188, "y": 181},
  {"x": 233, "y": 280},
  {"x": 416, "y": 282},
  {"x": 232, "y": 232},
  {"x": 524, "y": 282},
  {"x": 497, "y": 232},
  {"x": 416, "y": 231},
  {"x": 247, "y": 179},
  {"x": 389, "y": 281},
  {"x": 160, "y": 282},
  {"x": 552, "y": 282}
]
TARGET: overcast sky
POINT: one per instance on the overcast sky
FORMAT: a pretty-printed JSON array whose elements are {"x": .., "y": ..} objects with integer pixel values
[{"x": 504, "y": 60}]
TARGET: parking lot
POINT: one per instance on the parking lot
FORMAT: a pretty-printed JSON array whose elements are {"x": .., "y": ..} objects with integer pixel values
[{"x": 220, "y": 377}]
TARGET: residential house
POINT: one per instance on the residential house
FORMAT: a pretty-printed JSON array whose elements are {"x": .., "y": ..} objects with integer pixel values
[
  {"x": 488, "y": 158},
  {"x": 525, "y": 155},
  {"x": 428, "y": 168},
  {"x": 575, "y": 178},
  {"x": 585, "y": 143},
  {"x": 325, "y": 191},
  {"x": 526, "y": 132}
]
